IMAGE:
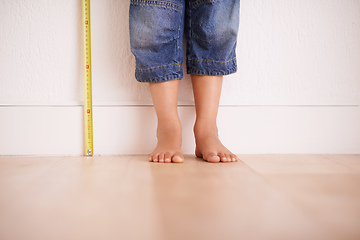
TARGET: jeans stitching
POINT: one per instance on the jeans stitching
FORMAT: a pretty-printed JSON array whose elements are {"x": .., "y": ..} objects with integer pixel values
[
  {"x": 164, "y": 78},
  {"x": 212, "y": 60},
  {"x": 144, "y": 69},
  {"x": 158, "y": 3},
  {"x": 178, "y": 45}
]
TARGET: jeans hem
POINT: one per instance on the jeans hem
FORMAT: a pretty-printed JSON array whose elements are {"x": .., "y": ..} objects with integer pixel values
[
  {"x": 212, "y": 73},
  {"x": 165, "y": 78},
  {"x": 211, "y": 68}
]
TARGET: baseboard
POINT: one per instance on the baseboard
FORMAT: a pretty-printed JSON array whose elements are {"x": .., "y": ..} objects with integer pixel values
[{"x": 58, "y": 130}]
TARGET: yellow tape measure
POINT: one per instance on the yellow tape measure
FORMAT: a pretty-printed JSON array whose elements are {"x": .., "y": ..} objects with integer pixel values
[{"x": 89, "y": 150}]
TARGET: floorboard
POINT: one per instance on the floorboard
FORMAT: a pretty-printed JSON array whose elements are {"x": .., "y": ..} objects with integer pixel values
[{"x": 125, "y": 197}]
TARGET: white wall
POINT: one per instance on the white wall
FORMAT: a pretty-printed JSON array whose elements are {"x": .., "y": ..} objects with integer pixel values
[{"x": 295, "y": 58}]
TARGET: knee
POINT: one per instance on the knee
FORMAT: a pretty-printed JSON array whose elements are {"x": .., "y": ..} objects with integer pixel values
[
  {"x": 218, "y": 23},
  {"x": 153, "y": 25}
]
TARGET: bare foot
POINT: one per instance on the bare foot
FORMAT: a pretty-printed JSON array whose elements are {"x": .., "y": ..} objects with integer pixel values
[
  {"x": 209, "y": 147},
  {"x": 168, "y": 148}
]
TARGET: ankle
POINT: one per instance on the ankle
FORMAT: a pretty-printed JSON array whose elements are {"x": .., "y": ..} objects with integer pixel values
[
  {"x": 169, "y": 123},
  {"x": 202, "y": 128},
  {"x": 171, "y": 126},
  {"x": 170, "y": 120}
]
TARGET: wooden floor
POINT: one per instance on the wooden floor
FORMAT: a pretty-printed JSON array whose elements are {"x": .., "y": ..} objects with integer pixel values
[{"x": 125, "y": 197}]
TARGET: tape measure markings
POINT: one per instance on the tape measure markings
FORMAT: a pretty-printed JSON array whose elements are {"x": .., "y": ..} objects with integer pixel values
[{"x": 89, "y": 151}]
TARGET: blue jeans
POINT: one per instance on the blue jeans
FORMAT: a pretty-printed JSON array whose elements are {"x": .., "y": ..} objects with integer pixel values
[{"x": 156, "y": 37}]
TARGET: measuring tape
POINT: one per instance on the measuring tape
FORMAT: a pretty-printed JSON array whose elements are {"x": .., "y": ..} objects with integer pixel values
[{"x": 89, "y": 149}]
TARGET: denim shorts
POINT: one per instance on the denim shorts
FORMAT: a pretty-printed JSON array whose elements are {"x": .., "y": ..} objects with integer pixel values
[{"x": 156, "y": 37}]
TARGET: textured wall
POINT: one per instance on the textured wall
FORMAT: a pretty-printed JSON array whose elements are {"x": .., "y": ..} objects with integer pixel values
[{"x": 289, "y": 52}]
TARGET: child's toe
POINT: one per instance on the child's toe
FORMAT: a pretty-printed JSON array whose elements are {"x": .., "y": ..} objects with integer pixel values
[
  {"x": 223, "y": 157},
  {"x": 167, "y": 157},
  {"x": 178, "y": 158},
  {"x": 213, "y": 158}
]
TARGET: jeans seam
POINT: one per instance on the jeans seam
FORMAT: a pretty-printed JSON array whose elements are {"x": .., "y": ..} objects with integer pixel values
[
  {"x": 178, "y": 45},
  {"x": 144, "y": 69},
  {"x": 212, "y": 73},
  {"x": 158, "y": 3},
  {"x": 198, "y": 60},
  {"x": 165, "y": 78},
  {"x": 191, "y": 30}
]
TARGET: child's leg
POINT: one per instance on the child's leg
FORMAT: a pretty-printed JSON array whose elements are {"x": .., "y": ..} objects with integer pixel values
[
  {"x": 211, "y": 29},
  {"x": 156, "y": 33},
  {"x": 165, "y": 96},
  {"x": 207, "y": 90}
]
